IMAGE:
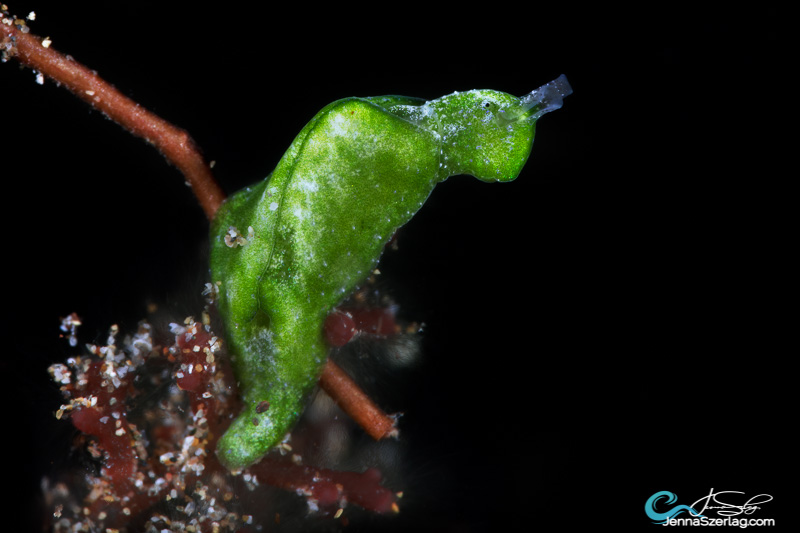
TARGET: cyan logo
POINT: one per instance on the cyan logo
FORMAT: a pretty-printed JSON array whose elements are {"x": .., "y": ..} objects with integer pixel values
[{"x": 659, "y": 517}]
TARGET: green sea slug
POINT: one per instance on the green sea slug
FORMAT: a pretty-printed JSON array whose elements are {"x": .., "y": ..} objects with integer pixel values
[{"x": 287, "y": 250}]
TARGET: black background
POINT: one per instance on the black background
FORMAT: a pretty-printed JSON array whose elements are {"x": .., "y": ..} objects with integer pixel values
[{"x": 603, "y": 328}]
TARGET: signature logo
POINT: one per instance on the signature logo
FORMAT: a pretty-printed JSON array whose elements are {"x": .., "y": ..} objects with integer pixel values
[
  {"x": 724, "y": 503},
  {"x": 659, "y": 517},
  {"x": 734, "y": 506}
]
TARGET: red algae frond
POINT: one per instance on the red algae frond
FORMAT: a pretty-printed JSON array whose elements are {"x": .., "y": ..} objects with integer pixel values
[{"x": 150, "y": 409}]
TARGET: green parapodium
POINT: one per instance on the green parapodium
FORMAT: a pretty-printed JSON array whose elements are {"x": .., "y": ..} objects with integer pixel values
[{"x": 290, "y": 248}]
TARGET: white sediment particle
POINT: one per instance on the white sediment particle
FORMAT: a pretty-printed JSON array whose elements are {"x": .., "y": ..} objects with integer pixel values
[
  {"x": 313, "y": 505},
  {"x": 211, "y": 291},
  {"x": 234, "y": 238},
  {"x": 273, "y": 206},
  {"x": 70, "y": 325},
  {"x": 60, "y": 373},
  {"x": 187, "y": 443}
]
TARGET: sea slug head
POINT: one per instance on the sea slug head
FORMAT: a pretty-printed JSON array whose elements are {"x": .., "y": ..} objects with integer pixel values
[{"x": 489, "y": 134}]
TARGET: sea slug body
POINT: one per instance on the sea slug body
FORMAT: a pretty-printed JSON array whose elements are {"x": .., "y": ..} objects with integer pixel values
[{"x": 359, "y": 170}]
